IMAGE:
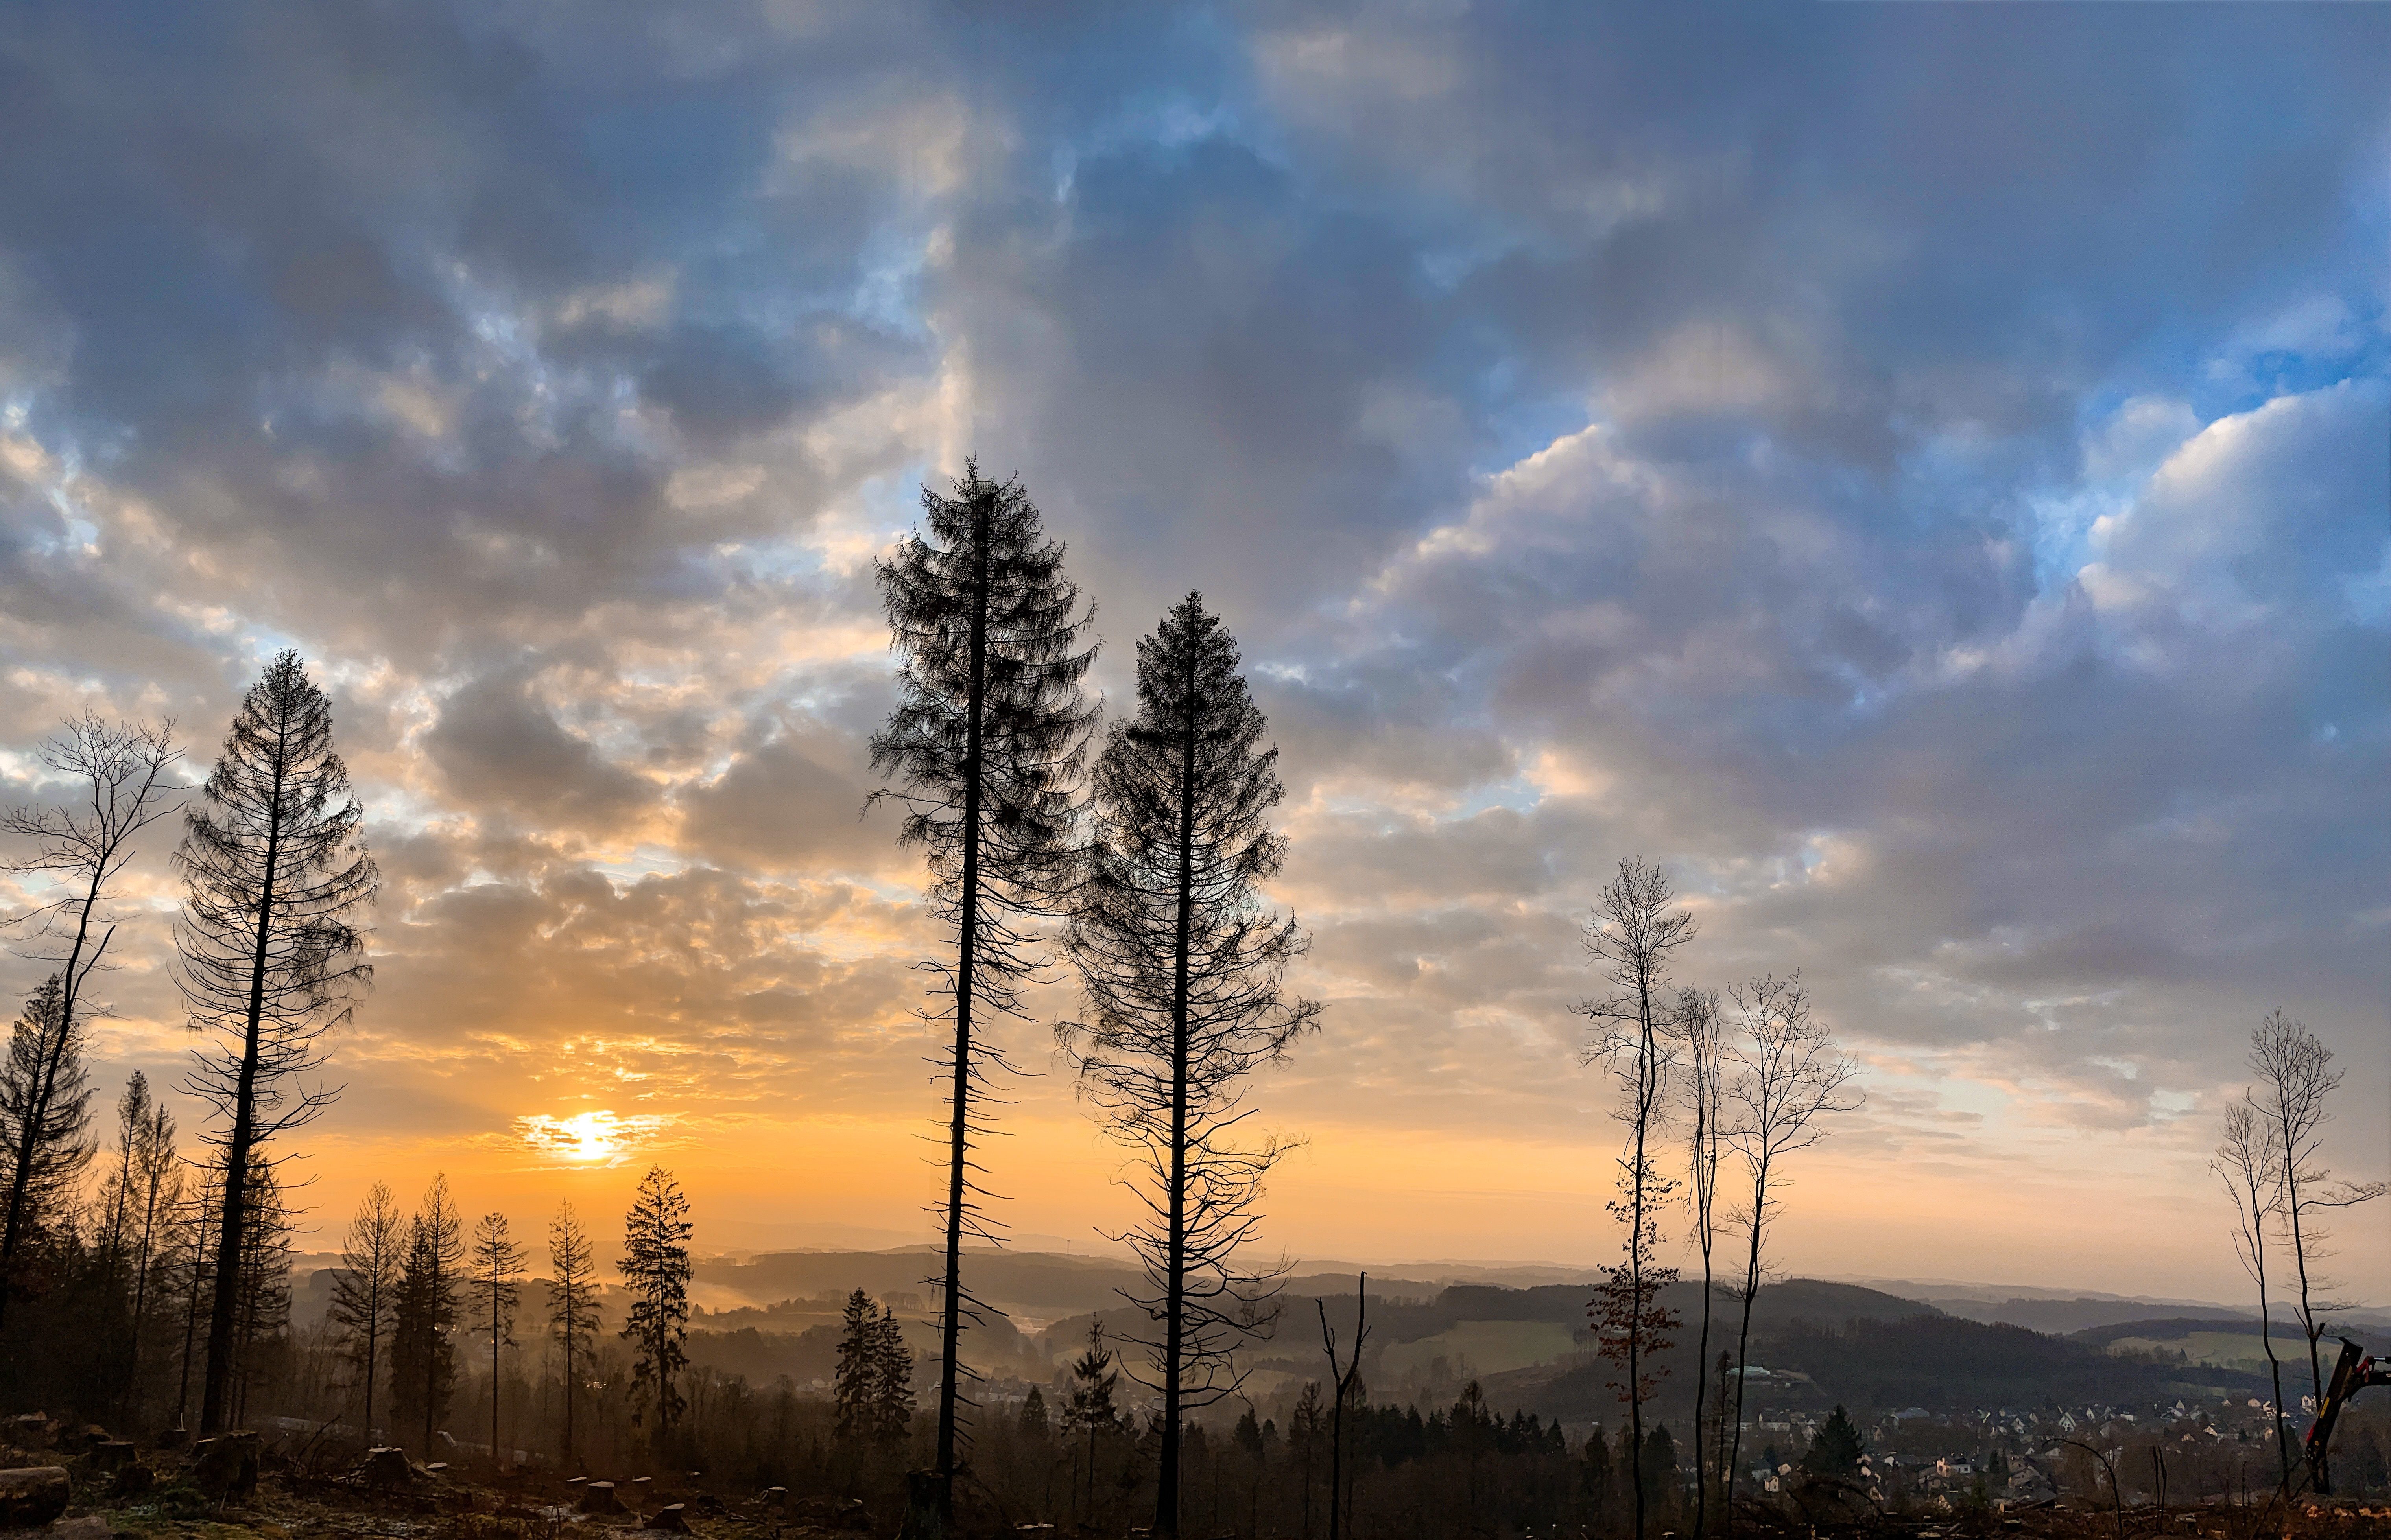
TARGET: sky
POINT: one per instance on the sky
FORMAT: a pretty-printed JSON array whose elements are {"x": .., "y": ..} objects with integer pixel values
[{"x": 1916, "y": 471}]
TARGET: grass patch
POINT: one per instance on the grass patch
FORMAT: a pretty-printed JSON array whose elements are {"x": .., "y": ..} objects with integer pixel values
[{"x": 1490, "y": 1347}]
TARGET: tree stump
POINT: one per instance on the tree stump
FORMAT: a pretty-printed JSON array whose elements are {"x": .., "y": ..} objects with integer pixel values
[
  {"x": 386, "y": 1466},
  {"x": 598, "y": 1497},
  {"x": 33, "y": 1495},
  {"x": 110, "y": 1455},
  {"x": 224, "y": 1466},
  {"x": 672, "y": 1515}
]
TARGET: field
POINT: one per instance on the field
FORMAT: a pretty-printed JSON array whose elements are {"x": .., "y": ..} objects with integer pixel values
[{"x": 1489, "y": 1347}]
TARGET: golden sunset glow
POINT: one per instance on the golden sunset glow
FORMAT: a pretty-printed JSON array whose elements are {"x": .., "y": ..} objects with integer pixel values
[{"x": 594, "y": 1138}]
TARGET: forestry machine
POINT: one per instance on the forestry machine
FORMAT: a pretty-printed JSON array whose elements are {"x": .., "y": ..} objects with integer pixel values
[{"x": 2352, "y": 1374}]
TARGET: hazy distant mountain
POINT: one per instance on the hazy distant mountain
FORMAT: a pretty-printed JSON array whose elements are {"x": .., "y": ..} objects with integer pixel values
[{"x": 2066, "y": 1312}]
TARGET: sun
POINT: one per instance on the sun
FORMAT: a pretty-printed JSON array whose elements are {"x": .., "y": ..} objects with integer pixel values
[{"x": 592, "y": 1139}]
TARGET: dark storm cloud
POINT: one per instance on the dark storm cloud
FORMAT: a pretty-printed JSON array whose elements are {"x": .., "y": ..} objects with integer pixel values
[{"x": 1917, "y": 470}]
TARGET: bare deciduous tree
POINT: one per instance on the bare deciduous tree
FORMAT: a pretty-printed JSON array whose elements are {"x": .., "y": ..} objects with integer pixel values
[
  {"x": 81, "y": 847},
  {"x": 1181, "y": 968},
  {"x": 1634, "y": 937},
  {"x": 1702, "y": 1105},
  {"x": 2296, "y": 1076},
  {"x": 1790, "y": 1074},
  {"x": 2246, "y": 1162},
  {"x": 987, "y": 748},
  {"x": 274, "y": 868}
]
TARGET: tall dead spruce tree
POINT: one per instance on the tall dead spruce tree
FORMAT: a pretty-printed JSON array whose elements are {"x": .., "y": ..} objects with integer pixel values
[
  {"x": 1182, "y": 969},
  {"x": 274, "y": 870},
  {"x": 985, "y": 751}
]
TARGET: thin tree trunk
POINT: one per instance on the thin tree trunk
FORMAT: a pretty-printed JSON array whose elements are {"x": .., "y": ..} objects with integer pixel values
[
  {"x": 1166, "y": 1514},
  {"x": 221, "y": 1321},
  {"x": 2275, "y": 1368},
  {"x": 1702, "y": 1378},
  {"x": 950, "y": 1328},
  {"x": 141, "y": 1295},
  {"x": 1635, "y": 1246},
  {"x": 1743, "y": 1343},
  {"x": 200, "y": 1244}
]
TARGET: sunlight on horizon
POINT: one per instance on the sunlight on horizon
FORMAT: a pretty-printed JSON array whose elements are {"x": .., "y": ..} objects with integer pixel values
[{"x": 592, "y": 1139}]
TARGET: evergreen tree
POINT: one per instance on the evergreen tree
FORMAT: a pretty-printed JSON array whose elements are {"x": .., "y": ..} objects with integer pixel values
[
  {"x": 155, "y": 1177},
  {"x": 1305, "y": 1426},
  {"x": 1181, "y": 968},
  {"x": 852, "y": 1381},
  {"x": 573, "y": 1305},
  {"x": 1837, "y": 1449},
  {"x": 46, "y": 1099},
  {"x": 497, "y": 1284},
  {"x": 656, "y": 1271},
  {"x": 1594, "y": 1483},
  {"x": 424, "y": 1315},
  {"x": 1090, "y": 1409},
  {"x": 1659, "y": 1468},
  {"x": 365, "y": 1293},
  {"x": 1035, "y": 1424},
  {"x": 985, "y": 749},
  {"x": 892, "y": 1380},
  {"x": 275, "y": 868}
]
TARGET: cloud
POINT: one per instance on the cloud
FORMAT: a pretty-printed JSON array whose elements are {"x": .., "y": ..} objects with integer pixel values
[{"x": 1916, "y": 471}]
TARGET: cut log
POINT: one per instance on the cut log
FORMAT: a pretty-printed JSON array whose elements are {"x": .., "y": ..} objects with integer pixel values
[{"x": 33, "y": 1495}]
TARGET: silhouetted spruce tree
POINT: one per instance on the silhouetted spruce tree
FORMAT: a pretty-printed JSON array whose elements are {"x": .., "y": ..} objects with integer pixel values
[
  {"x": 851, "y": 1380},
  {"x": 81, "y": 846},
  {"x": 985, "y": 751},
  {"x": 1181, "y": 968},
  {"x": 46, "y": 1099},
  {"x": 150, "y": 1177},
  {"x": 1594, "y": 1484},
  {"x": 656, "y": 1271},
  {"x": 1837, "y": 1449},
  {"x": 365, "y": 1292},
  {"x": 1035, "y": 1424},
  {"x": 497, "y": 1264},
  {"x": 275, "y": 868},
  {"x": 423, "y": 1340},
  {"x": 572, "y": 1305},
  {"x": 1659, "y": 1468},
  {"x": 892, "y": 1381},
  {"x": 1090, "y": 1409}
]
